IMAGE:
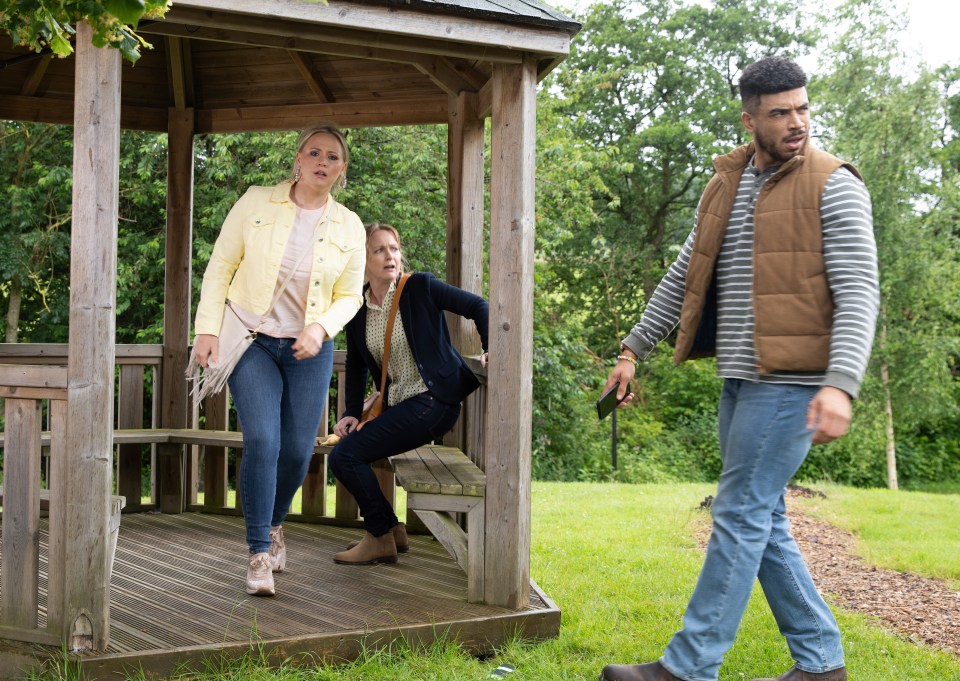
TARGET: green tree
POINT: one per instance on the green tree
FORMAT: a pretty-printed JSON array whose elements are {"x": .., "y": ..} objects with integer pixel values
[
  {"x": 50, "y": 24},
  {"x": 629, "y": 126},
  {"x": 655, "y": 85},
  {"x": 35, "y": 190},
  {"x": 888, "y": 125}
]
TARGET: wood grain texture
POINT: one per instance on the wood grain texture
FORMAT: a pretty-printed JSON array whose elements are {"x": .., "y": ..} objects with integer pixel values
[
  {"x": 509, "y": 376},
  {"x": 93, "y": 276}
]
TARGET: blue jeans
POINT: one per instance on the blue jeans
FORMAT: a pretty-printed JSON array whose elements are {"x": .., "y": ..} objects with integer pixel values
[
  {"x": 280, "y": 403},
  {"x": 405, "y": 426},
  {"x": 763, "y": 441}
]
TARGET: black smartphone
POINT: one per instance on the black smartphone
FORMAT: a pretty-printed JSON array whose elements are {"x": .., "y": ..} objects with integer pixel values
[{"x": 608, "y": 401}]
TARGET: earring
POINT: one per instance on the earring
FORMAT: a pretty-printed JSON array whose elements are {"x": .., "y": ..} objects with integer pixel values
[
  {"x": 296, "y": 175},
  {"x": 342, "y": 182}
]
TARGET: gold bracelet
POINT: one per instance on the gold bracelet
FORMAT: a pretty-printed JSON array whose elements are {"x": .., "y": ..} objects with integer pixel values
[{"x": 636, "y": 362}]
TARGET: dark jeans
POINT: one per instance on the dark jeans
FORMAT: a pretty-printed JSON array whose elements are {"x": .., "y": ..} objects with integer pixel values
[
  {"x": 280, "y": 403},
  {"x": 405, "y": 426}
]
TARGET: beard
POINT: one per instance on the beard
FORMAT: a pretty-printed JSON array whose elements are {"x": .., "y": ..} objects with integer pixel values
[{"x": 774, "y": 147}]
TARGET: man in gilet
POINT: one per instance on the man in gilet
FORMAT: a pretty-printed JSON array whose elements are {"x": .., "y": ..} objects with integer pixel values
[{"x": 778, "y": 280}]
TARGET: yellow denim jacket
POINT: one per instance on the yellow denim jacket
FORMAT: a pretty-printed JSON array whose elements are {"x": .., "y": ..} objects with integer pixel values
[{"x": 245, "y": 264}]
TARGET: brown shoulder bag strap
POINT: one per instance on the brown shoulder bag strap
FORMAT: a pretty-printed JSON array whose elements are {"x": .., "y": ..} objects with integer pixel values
[{"x": 387, "y": 338}]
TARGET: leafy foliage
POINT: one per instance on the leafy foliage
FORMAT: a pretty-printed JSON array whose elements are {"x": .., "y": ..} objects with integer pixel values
[
  {"x": 50, "y": 24},
  {"x": 626, "y": 130}
]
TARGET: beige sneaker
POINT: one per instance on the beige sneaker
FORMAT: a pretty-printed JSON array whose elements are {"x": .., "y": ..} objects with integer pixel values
[
  {"x": 259, "y": 575},
  {"x": 278, "y": 549}
]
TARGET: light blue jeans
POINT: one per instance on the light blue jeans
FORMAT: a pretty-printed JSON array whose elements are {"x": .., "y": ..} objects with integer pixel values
[
  {"x": 280, "y": 403},
  {"x": 763, "y": 441}
]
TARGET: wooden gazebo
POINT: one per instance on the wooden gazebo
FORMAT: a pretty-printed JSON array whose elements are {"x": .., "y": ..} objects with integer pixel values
[{"x": 242, "y": 65}]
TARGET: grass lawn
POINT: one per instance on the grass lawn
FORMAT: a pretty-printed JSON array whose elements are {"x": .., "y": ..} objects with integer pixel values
[
  {"x": 905, "y": 531},
  {"x": 620, "y": 562}
]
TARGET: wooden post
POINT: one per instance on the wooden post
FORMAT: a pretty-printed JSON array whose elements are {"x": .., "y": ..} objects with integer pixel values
[
  {"x": 464, "y": 225},
  {"x": 509, "y": 376},
  {"x": 130, "y": 415},
  {"x": 90, "y": 367},
  {"x": 215, "y": 462},
  {"x": 465, "y": 211},
  {"x": 21, "y": 513},
  {"x": 174, "y": 413}
]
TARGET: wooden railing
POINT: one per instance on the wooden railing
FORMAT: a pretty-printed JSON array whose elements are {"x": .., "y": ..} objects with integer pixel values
[
  {"x": 29, "y": 392},
  {"x": 33, "y": 385}
]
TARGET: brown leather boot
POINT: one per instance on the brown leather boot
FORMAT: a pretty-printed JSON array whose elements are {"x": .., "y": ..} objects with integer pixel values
[
  {"x": 799, "y": 675},
  {"x": 370, "y": 549},
  {"x": 637, "y": 672},
  {"x": 399, "y": 537}
]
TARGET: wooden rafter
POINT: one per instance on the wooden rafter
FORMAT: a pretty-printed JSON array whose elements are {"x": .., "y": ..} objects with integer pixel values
[
  {"x": 33, "y": 81},
  {"x": 312, "y": 77},
  {"x": 180, "y": 72},
  {"x": 450, "y": 78}
]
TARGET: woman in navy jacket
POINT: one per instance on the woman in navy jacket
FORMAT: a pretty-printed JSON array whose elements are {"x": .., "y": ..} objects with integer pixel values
[{"x": 426, "y": 381}]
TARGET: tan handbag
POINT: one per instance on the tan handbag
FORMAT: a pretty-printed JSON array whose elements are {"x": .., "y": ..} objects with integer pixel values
[{"x": 373, "y": 405}]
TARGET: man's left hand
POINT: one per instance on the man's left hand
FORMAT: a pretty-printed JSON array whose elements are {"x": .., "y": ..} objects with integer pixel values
[{"x": 829, "y": 415}]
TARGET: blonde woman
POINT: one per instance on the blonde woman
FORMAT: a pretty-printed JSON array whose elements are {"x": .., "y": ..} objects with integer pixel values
[{"x": 294, "y": 243}]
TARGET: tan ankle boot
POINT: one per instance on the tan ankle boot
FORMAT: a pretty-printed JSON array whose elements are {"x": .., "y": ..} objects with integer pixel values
[
  {"x": 371, "y": 549},
  {"x": 399, "y": 537}
]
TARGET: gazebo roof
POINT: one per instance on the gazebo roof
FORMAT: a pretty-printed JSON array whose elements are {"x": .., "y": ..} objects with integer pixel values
[
  {"x": 242, "y": 65},
  {"x": 281, "y": 64}
]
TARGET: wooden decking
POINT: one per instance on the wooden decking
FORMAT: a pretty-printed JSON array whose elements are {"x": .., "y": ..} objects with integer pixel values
[{"x": 177, "y": 600}]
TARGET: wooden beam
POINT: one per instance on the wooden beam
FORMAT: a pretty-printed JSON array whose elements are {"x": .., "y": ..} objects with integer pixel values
[
  {"x": 243, "y": 32},
  {"x": 447, "y": 76},
  {"x": 312, "y": 77},
  {"x": 57, "y": 567},
  {"x": 176, "y": 73},
  {"x": 93, "y": 279},
  {"x": 347, "y": 114},
  {"x": 485, "y": 101},
  {"x": 33, "y": 376},
  {"x": 509, "y": 377},
  {"x": 465, "y": 204},
  {"x": 174, "y": 410},
  {"x": 46, "y": 110},
  {"x": 21, "y": 513},
  {"x": 33, "y": 81},
  {"x": 392, "y": 24},
  {"x": 465, "y": 243}
]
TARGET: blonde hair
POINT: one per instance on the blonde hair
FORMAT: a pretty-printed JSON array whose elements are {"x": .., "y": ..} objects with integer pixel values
[
  {"x": 374, "y": 227},
  {"x": 330, "y": 129}
]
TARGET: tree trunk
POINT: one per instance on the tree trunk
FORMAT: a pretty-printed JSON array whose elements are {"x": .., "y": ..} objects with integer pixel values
[
  {"x": 13, "y": 309},
  {"x": 888, "y": 412}
]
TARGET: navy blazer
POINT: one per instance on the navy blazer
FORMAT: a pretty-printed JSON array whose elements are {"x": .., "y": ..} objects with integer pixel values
[{"x": 422, "y": 304}]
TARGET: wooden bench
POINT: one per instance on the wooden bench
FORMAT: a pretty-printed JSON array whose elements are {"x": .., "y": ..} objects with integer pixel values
[{"x": 441, "y": 482}]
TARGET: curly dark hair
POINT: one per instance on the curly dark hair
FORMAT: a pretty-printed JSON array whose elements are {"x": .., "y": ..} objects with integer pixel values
[{"x": 769, "y": 76}]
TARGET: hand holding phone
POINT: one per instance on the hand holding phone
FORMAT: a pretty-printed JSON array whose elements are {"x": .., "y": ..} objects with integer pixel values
[{"x": 608, "y": 401}]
